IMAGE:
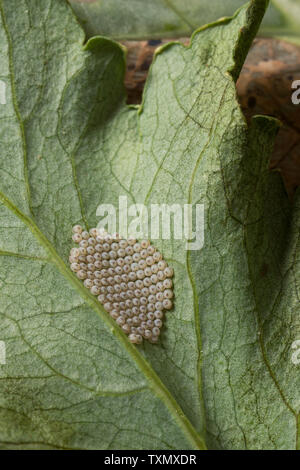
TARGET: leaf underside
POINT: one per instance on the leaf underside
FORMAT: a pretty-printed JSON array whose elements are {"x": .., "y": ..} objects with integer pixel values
[
  {"x": 141, "y": 19},
  {"x": 222, "y": 371}
]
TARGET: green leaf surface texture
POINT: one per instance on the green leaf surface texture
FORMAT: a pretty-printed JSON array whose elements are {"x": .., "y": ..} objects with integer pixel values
[{"x": 221, "y": 376}]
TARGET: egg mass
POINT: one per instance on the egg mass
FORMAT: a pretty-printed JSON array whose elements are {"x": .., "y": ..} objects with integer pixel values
[{"x": 130, "y": 279}]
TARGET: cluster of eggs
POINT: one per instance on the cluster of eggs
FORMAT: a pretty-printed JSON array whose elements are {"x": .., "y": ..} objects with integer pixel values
[{"x": 130, "y": 279}]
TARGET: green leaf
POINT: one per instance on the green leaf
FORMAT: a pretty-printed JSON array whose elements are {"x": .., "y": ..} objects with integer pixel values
[
  {"x": 140, "y": 19},
  {"x": 222, "y": 368}
]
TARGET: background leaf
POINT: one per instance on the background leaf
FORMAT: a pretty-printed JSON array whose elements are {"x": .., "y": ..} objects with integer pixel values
[
  {"x": 141, "y": 19},
  {"x": 68, "y": 143}
]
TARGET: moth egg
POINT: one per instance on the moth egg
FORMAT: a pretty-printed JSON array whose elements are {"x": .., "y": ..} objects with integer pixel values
[
  {"x": 158, "y": 314},
  {"x": 95, "y": 290},
  {"x": 149, "y": 260},
  {"x": 123, "y": 286},
  {"x": 145, "y": 244},
  {"x": 108, "y": 239},
  {"x": 147, "y": 282},
  {"x": 160, "y": 286},
  {"x": 114, "y": 314},
  {"x": 101, "y": 298},
  {"x": 77, "y": 229},
  {"x": 132, "y": 276},
  {"x": 140, "y": 274},
  {"x": 137, "y": 247},
  {"x": 121, "y": 253},
  {"x": 126, "y": 328},
  {"x": 147, "y": 272},
  {"x": 157, "y": 256},
  {"x": 82, "y": 251},
  {"x": 155, "y": 331},
  {"x": 88, "y": 283},
  {"x": 123, "y": 244},
  {"x": 159, "y": 306},
  {"x": 129, "y": 251},
  {"x": 140, "y": 330},
  {"x": 112, "y": 254},
  {"x": 116, "y": 236},
  {"x": 152, "y": 289},
  {"x": 142, "y": 264},
  {"x": 128, "y": 259},
  {"x": 148, "y": 334},
  {"x": 168, "y": 272},
  {"x": 167, "y": 304},
  {"x": 134, "y": 267},
  {"x": 120, "y": 320},
  {"x": 150, "y": 250},
  {"x": 133, "y": 338},
  {"x": 168, "y": 294},
  {"x": 118, "y": 270},
  {"x": 154, "y": 268},
  {"x": 161, "y": 275},
  {"x": 81, "y": 274},
  {"x": 77, "y": 238},
  {"x": 85, "y": 235},
  {"x": 161, "y": 265},
  {"x": 130, "y": 294},
  {"x": 145, "y": 292},
  {"x": 131, "y": 241},
  {"x": 75, "y": 252},
  {"x": 136, "y": 257},
  {"x": 93, "y": 232},
  {"x": 167, "y": 283},
  {"x": 157, "y": 323},
  {"x": 75, "y": 267}
]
